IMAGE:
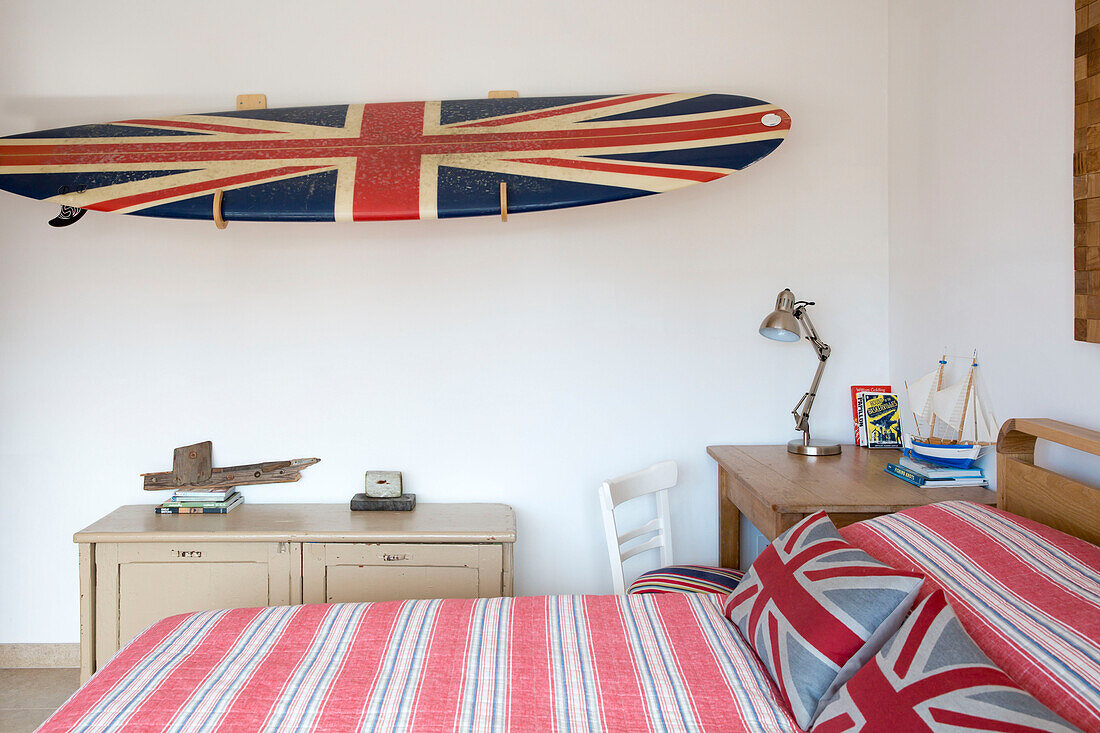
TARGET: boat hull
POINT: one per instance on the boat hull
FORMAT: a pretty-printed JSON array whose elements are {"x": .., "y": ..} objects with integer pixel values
[{"x": 957, "y": 455}]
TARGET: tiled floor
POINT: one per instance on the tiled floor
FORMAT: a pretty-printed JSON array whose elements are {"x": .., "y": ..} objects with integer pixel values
[{"x": 29, "y": 696}]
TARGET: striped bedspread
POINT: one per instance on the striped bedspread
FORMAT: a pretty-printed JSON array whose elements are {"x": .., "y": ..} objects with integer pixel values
[
  {"x": 557, "y": 663},
  {"x": 1028, "y": 595}
]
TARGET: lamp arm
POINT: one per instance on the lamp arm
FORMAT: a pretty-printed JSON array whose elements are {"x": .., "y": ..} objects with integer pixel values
[
  {"x": 802, "y": 417},
  {"x": 803, "y": 315}
]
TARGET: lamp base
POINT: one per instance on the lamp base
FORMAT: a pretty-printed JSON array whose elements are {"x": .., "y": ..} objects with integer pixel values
[{"x": 814, "y": 448}]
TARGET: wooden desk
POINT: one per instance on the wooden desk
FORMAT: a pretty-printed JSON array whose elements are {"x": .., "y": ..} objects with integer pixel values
[{"x": 775, "y": 489}]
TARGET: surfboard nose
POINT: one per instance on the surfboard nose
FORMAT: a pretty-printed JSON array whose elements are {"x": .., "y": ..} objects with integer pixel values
[{"x": 776, "y": 118}]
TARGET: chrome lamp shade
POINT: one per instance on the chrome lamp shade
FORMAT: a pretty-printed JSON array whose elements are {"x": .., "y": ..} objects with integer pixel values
[{"x": 780, "y": 324}]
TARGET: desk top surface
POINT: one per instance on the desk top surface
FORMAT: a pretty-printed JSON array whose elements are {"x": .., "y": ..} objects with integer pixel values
[
  {"x": 308, "y": 523},
  {"x": 854, "y": 481}
]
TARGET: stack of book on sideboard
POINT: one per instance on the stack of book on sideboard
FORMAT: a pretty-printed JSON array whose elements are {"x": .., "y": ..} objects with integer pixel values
[
  {"x": 927, "y": 474},
  {"x": 202, "y": 501}
]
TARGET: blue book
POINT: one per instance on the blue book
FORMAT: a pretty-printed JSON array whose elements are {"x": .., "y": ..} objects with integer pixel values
[
  {"x": 905, "y": 474},
  {"x": 917, "y": 480},
  {"x": 935, "y": 470}
]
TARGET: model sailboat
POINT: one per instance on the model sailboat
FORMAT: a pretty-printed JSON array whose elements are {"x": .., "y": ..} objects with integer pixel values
[{"x": 961, "y": 410}]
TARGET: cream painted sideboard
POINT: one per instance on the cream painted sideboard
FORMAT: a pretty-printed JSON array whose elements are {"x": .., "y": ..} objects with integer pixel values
[{"x": 137, "y": 567}]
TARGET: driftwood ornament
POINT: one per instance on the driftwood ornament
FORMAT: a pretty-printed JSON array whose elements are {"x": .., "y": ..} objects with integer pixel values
[{"x": 192, "y": 468}]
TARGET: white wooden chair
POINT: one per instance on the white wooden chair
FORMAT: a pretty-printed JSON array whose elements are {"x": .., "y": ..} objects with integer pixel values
[{"x": 657, "y": 480}]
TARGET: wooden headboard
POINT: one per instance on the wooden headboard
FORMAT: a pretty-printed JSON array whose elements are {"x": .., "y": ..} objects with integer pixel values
[{"x": 1038, "y": 493}]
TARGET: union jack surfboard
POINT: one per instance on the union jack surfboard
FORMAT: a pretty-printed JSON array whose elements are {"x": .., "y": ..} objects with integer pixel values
[{"x": 402, "y": 160}]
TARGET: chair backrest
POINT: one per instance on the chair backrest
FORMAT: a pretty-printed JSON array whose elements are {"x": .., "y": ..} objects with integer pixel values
[{"x": 657, "y": 479}]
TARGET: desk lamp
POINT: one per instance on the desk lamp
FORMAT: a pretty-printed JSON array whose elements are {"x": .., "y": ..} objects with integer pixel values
[{"x": 785, "y": 323}]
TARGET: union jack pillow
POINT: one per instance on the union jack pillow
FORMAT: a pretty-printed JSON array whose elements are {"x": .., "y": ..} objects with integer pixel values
[
  {"x": 815, "y": 609},
  {"x": 932, "y": 677}
]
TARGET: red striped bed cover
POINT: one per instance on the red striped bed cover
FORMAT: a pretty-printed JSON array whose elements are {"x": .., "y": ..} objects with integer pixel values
[{"x": 662, "y": 662}]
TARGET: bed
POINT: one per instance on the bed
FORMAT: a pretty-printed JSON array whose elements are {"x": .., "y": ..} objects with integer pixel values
[{"x": 1023, "y": 579}]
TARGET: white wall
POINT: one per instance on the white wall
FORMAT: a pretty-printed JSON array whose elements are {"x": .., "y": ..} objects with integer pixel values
[
  {"x": 981, "y": 214},
  {"x": 520, "y": 363}
]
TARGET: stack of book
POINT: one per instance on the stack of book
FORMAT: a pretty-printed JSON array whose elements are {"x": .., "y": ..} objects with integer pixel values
[
  {"x": 202, "y": 501},
  {"x": 925, "y": 473},
  {"x": 876, "y": 416}
]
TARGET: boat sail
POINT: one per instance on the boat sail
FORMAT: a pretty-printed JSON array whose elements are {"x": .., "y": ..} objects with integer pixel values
[
  {"x": 961, "y": 409},
  {"x": 979, "y": 417},
  {"x": 921, "y": 394}
]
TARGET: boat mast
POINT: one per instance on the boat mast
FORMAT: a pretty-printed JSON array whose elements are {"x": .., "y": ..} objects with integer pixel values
[
  {"x": 966, "y": 400},
  {"x": 939, "y": 386},
  {"x": 977, "y": 406},
  {"x": 916, "y": 422}
]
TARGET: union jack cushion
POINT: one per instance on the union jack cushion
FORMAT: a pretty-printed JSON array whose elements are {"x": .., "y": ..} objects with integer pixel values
[
  {"x": 932, "y": 677},
  {"x": 687, "y": 579},
  {"x": 815, "y": 609}
]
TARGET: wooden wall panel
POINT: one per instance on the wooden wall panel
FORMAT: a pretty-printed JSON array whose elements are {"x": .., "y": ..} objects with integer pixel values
[{"x": 1086, "y": 173}]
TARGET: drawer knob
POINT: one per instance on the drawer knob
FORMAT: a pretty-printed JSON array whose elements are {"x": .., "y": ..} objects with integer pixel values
[{"x": 394, "y": 558}]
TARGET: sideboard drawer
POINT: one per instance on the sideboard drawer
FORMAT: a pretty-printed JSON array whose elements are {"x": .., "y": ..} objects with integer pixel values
[
  {"x": 336, "y": 572},
  {"x": 199, "y": 552}
]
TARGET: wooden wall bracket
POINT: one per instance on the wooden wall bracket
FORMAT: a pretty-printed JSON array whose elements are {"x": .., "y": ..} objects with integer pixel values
[
  {"x": 503, "y": 94},
  {"x": 219, "y": 222},
  {"x": 251, "y": 101},
  {"x": 244, "y": 101}
]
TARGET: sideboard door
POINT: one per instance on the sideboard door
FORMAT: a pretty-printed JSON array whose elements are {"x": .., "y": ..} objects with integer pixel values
[{"x": 139, "y": 584}]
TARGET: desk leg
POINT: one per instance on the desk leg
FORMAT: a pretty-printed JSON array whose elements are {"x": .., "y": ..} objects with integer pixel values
[{"x": 729, "y": 526}]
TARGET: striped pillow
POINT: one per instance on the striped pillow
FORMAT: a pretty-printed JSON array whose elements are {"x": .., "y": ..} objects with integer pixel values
[
  {"x": 687, "y": 579},
  {"x": 1026, "y": 594}
]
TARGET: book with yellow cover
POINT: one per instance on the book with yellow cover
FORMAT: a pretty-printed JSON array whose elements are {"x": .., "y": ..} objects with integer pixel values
[{"x": 882, "y": 418}]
